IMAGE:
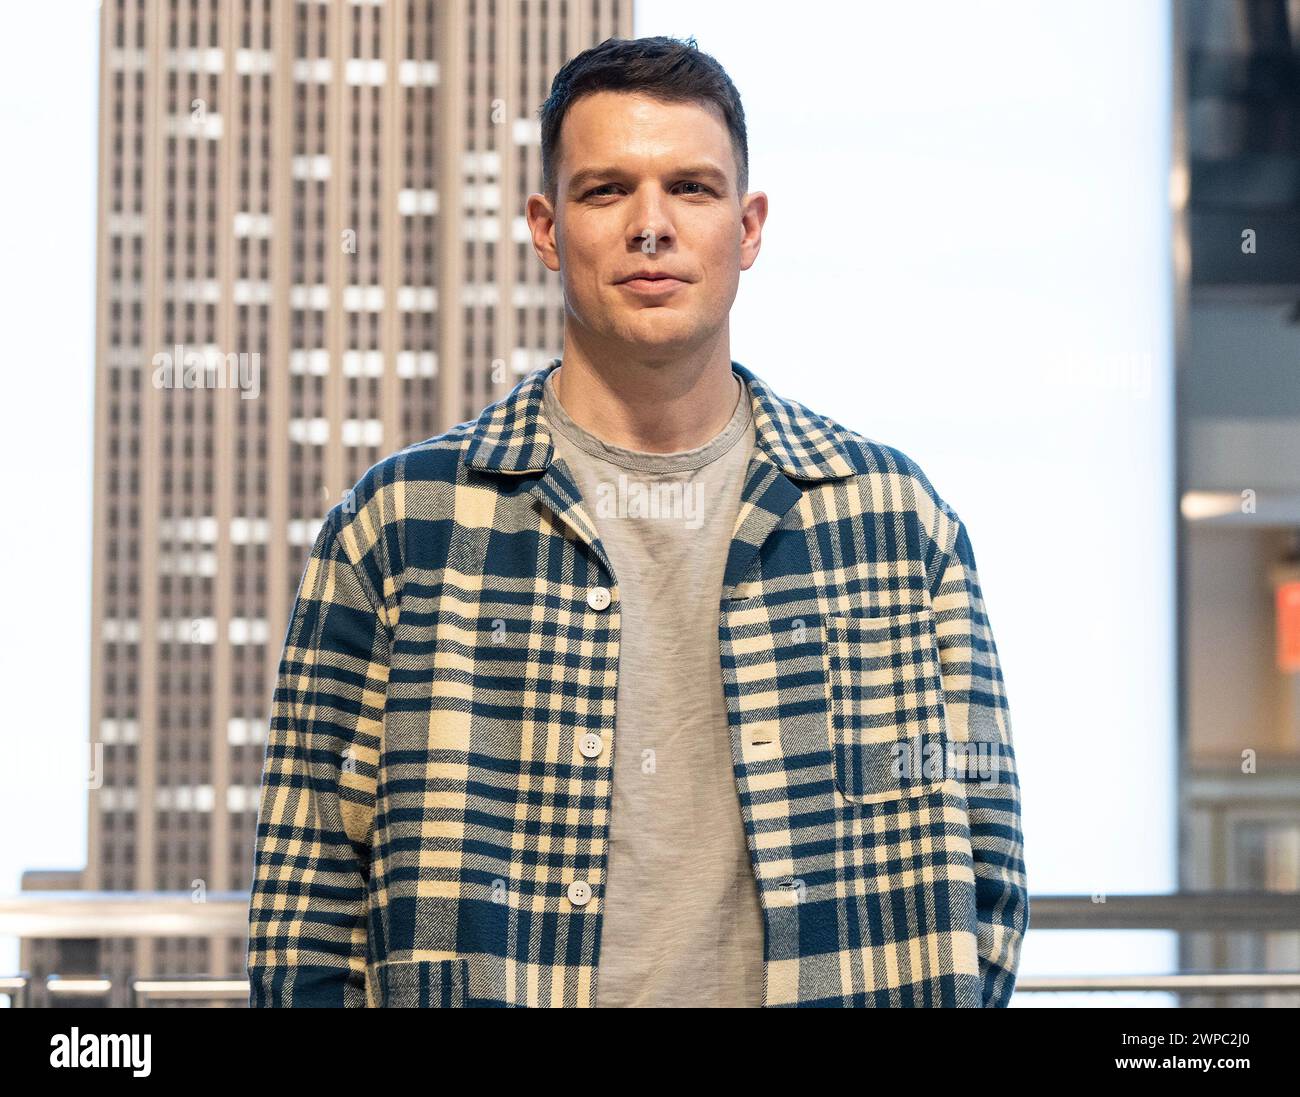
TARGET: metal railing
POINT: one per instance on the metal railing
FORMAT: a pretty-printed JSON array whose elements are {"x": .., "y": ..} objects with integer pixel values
[
  {"x": 14, "y": 987},
  {"x": 1190, "y": 982},
  {"x": 98, "y": 914},
  {"x": 145, "y": 992}
]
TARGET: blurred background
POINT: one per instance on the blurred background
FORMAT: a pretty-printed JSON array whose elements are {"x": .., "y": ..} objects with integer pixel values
[{"x": 1051, "y": 251}]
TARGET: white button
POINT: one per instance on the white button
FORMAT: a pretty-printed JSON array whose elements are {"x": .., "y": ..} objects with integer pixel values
[
  {"x": 590, "y": 745},
  {"x": 598, "y": 597},
  {"x": 579, "y": 893}
]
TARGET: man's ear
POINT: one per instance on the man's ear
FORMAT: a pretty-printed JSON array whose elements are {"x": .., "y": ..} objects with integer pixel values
[
  {"x": 540, "y": 214},
  {"x": 753, "y": 214}
]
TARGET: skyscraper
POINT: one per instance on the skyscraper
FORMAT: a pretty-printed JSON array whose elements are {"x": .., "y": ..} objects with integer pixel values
[{"x": 311, "y": 253}]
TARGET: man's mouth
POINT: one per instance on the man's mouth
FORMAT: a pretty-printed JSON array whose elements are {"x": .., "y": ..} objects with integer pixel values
[{"x": 653, "y": 284}]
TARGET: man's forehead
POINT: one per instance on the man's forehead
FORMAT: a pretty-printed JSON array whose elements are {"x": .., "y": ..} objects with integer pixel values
[
  {"x": 618, "y": 116},
  {"x": 615, "y": 124}
]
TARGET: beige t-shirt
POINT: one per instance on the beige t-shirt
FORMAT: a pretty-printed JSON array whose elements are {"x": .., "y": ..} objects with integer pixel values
[{"x": 682, "y": 922}]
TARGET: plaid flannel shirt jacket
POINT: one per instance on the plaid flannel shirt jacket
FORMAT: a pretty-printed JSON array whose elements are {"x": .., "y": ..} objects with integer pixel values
[{"x": 427, "y": 820}]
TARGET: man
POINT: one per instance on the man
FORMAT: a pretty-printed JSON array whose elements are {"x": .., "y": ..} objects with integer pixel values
[{"x": 648, "y": 686}]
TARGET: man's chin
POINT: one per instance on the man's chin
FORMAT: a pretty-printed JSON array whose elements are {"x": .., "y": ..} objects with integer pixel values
[
  {"x": 663, "y": 332},
  {"x": 659, "y": 346},
  {"x": 659, "y": 327}
]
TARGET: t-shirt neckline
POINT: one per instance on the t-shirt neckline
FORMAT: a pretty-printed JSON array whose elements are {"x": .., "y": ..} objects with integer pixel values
[{"x": 642, "y": 460}]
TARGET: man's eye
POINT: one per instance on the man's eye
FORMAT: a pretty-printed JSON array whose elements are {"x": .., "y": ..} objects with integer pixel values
[{"x": 595, "y": 192}]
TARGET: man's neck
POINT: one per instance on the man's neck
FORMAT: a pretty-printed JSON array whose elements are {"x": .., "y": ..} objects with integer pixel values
[{"x": 659, "y": 408}]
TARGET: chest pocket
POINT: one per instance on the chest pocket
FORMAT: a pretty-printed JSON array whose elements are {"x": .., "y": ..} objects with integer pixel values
[{"x": 888, "y": 735}]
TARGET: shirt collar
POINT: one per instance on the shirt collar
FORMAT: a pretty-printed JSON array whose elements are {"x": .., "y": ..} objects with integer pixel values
[{"x": 512, "y": 435}]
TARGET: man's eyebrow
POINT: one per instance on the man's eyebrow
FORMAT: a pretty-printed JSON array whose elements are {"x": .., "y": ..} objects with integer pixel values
[{"x": 580, "y": 179}]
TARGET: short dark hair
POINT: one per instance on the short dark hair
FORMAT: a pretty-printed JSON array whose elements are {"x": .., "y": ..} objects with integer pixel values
[{"x": 667, "y": 69}]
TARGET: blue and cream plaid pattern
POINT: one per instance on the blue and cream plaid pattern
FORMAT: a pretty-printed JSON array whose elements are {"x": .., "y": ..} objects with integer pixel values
[{"x": 425, "y": 807}]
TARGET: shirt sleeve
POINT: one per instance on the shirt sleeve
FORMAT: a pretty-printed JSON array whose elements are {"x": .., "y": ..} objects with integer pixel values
[
  {"x": 308, "y": 940},
  {"x": 978, "y": 716}
]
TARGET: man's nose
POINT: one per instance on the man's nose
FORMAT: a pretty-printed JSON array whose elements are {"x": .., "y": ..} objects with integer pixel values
[{"x": 649, "y": 226}]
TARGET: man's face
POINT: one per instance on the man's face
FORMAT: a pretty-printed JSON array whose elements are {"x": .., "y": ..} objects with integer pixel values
[{"x": 647, "y": 186}]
